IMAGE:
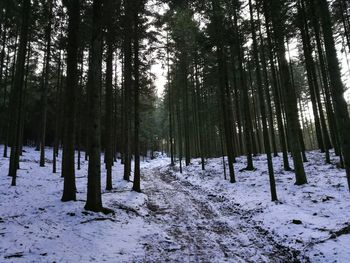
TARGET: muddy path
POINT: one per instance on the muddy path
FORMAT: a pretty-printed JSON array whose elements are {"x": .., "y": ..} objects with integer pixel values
[{"x": 201, "y": 227}]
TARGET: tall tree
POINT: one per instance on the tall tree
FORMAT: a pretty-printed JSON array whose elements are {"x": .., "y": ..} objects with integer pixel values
[
  {"x": 127, "y": 74},
  {"x": 262, "y": 105},
  {"x": 137, "y": 176},
  {"x": 16, "y": 92},
  {"x": 289, "y": 93},
  {"x": 223, "y": 84},
  {"x": 70, "y": 92},
  {"x": 337, "y": 88},
  {"x": 109, "y": 9},
  {"x": 276, "y": 91},
  {"x": 46, "y": 72},
  {"x": 94, "y": 199}
]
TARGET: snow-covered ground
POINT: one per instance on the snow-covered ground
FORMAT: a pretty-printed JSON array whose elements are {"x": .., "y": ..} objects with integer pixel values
[
  {"x": 191, "y": 217},
  {"x": 35, "y": 226},
  {"x": 314, "y": 218}
]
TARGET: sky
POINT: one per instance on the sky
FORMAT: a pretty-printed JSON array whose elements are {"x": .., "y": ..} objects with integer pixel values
[{"x": 161, "y": 78}]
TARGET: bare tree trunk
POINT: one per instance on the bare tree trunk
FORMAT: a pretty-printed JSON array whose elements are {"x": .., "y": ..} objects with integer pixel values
[
  {"x": 137, "y": 176},
  {"x": 223, "y": 87},
  {"x": 337, "y": 87},
  {"x": 290, "y": 97},
  {"x": 46, "y": 72},
  {"x": 262, "y": 107},
  {"x": 127, "y": 88},
  {"x": 94, "y": 200},
  {"x": 16, "y": 92},
  {"x": 70, "y": 93}
]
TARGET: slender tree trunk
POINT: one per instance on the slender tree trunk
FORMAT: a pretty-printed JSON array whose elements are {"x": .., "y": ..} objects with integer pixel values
[
  {"x": 94, "y": 199},
  {"x": 16, "y": 92},
  {"x": 262, "y": 107},
  {"x": 248, "y": 127},
  {"x": 108, "y": 11},
  {"x": 70, "y": 92},
  {"x": 276, "y": 93},
  {"x": 57, "y": 116},
  {"x": 313, "y": 83},
  {"x": 170, "y": 106},
  {"x": 9, "y": 126},
  {"x": 329, "y": 108},
  {"x": 337, "y": 87},
  {"x": 137, "y": 176},
  {"x": 127, "y": 87},
  {"x": 290, "y": 97},
  {"x": 223, "y": 86},
  {"x": 200, "y": 112},
  {"x": 46, "y": 72},
  {"x": 267, "y": 94}
]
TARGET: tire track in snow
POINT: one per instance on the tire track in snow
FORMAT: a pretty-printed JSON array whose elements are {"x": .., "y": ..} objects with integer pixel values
[{"x": 200, "y": 227}]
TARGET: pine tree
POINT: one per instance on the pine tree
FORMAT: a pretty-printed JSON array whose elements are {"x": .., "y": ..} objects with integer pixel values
[
  {"x": 109, "y": 9},
  {"x": 94, "y": 199},
  {"x": 223, "y": 85},
  {"x": 137, "y": 176},
  {"x": 127, "y": 74},
  {"x": 290, "y": 101},
  {"x": 16, "y": 92},
  {"x": 45, "y": 76},
  {"x": 337, "y": 88},
  {"x": 70, "y": 92},
  {"x": 262, "y": 106}
]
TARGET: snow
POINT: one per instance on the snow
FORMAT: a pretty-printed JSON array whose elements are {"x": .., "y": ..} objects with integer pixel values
[
  {"x": 37, "y": 225},
  {"x": 322, "y": 205},
  {"x": 196, "y": 216}
]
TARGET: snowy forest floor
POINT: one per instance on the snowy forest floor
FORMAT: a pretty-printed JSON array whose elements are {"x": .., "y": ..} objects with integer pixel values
[{"x": 191, "y": 217}]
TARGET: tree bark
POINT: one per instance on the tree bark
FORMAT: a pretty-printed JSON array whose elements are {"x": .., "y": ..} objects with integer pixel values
[
  {"x": 223, "y": 85},
  {"x": 70, "y": 93},
  {"x": 137, "y": 176},
  {"x": 16, "y": 92},
  {"x": 262, "y": 107},
  {"x": 46, "y": 72},
  {"x": 337, "y": 88},
  {"x": 290, "y": 97},
  {"x": 94, "y": 199}
]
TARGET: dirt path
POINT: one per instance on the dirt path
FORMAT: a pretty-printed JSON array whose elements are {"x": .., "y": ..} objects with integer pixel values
[{"x": 201, "y": 227}]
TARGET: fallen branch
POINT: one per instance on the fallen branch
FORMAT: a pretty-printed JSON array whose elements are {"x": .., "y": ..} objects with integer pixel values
[
  {"x": 345, "y": 230},
  {"x": 98, "y": 219},
  {"x": 15, "y": 255},
  {"x": 128, "y": 209}
]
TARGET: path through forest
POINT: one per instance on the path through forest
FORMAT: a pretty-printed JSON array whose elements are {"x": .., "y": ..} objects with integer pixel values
[
  {"x": 202, "y": 227},
  {"x": 196, "y": 216}
]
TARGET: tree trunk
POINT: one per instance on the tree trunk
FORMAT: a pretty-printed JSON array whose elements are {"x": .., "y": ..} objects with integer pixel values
[
  {"x": 127, "y": 87},
  {"x": 337, "y": 87},
  {"x": 137, "y": 176},
  {"x": 70, "y": 93},
  {"x": 108, "y": 11},
  {"x": 16, "y": 92},
  {"x": 262, "y": 107},
  {"x": 290, "y": 97},
  {"x": 248, "y": 127},
  {"x": 58, "y": 109},
  {"x": 94, "y": 200},
  {"x": 46, "y": 72},
  {"x": 276, "y": 93},
  {"x": 223, "y": 85}
]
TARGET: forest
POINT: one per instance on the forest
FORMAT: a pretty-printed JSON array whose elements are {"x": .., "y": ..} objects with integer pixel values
[{"x": 174, "y": 130}]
